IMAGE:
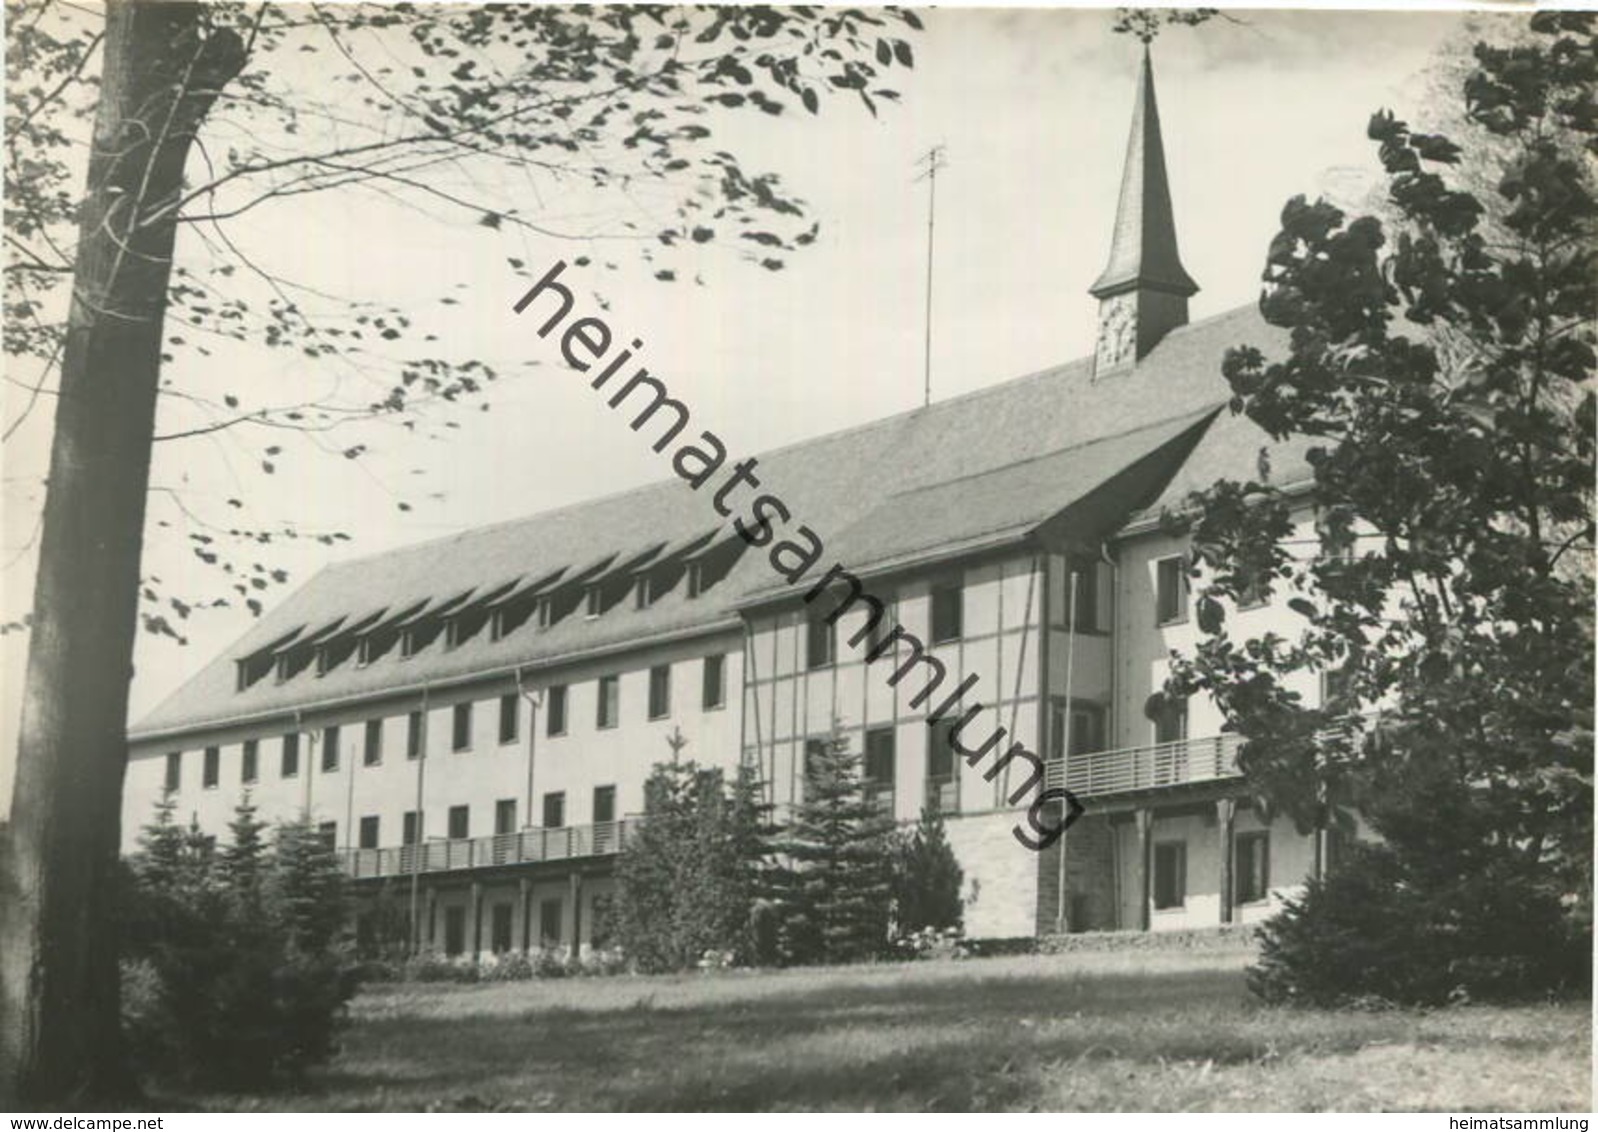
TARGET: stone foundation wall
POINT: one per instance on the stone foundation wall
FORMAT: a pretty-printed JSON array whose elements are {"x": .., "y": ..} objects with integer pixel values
[{"x": 1001, "y": 875}]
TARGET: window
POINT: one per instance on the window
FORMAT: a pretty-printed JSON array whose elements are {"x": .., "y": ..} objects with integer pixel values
[
  {"x": 413, "y": 735},
  {"x": 879, "y": 756},
  {"x": 549, "y": 918},
  {"x": 460, "y": 823},
  {"x": 505, "y": 816},
  {"x": 604, "y": 804},
  {"x": 821, "y": 641},
  {"x": 327, "y": 833},
  {"x": 372, "y": 752},
  {"x": 291, "y": 754},
  {"x": 660, "y": 691},
  {"x": 546, "y": 613},
  {"x": 1170, "y": 874},
  {"x": 943, "y": 779},
  {"x": 1170, "y": 591},
  {"x": 1253, "y": 866},
  {"x": 609, "y": 701},
  {"x": 330, "y": 748},
  {"x": 1335, "y": 690},
  {"x": 556, "y": 723},
  {"x": 454, "y": 930},
  {"x": 948, "y": 612},
  {"x": 461, "y": 730},
  {"x": 211, "y": 771},
  {"x": 714, "y": 693},
  {"x": 1087, "y": 728},
  {"x": 369, "y": 830},
  {"x": 509, "y": 717},
  {"x": 1084, "y": 598},
  {"x": 174, "y": 771},
  {"x": 696, "y": 579},
  {"x": 499, "y": 927},
  {"x": 594, "y": 602},
  {"x": 251, "y": 769},
  {"x": 555, "y": 809},
  {"x": 1170, "y": 719},
  {"x": 411, "y": 833},
  {"x": 642, "y": 593}
]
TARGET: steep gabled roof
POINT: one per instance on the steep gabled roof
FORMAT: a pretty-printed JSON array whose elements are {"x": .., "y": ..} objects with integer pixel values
[{"x": 1055, "y": 424}]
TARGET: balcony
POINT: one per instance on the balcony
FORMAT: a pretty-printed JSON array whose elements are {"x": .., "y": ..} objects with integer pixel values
[
  {"x": 528, "y": 846},
  {"x": 1142, "y": 768}
]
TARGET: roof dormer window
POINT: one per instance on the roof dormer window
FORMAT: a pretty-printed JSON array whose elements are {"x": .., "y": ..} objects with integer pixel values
[
  {"x": 546, "y": 613},
  {"x": 696, "y": 579},
  {"x": 594, "y": 603},
  {"x": 643, "y": 592}
]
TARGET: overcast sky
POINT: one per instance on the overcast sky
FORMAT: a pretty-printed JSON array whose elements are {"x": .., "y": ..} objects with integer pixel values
[{"x": 1032, "y": 107}]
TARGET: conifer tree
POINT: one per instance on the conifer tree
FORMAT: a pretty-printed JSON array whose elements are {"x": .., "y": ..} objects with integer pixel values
[
  {"x": 927, "y": 878},
  {"x": 836, "y": 877},
  {"x": 687, "y": 878}
]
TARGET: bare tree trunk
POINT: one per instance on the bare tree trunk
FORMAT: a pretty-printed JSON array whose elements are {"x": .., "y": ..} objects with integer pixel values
[{"x": 59, "y": 1035}]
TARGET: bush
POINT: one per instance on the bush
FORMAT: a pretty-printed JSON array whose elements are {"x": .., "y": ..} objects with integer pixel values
[
  {"x": 1372, "y": 931},
  {"x": 238, "y": 968}
]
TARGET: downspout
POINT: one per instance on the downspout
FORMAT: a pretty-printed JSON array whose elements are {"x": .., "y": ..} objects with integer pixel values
[
  {"x": 1113, "y": 715},
  {"x": 535, "y": 700},
  {"x": 304, "y": 740},
  {"x": 1060, "y": 921},
  {"x": 419, "y": 846}
]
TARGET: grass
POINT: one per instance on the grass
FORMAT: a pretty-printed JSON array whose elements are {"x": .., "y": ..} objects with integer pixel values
[{"x": 1086, "y": 1031}]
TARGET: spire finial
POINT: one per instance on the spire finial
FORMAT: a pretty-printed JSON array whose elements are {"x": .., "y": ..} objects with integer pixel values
[{"x": 1143, "y": 252}]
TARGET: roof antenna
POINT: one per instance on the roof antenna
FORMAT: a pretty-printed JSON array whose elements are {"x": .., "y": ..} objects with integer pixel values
[{"x": 933, "y": 159}]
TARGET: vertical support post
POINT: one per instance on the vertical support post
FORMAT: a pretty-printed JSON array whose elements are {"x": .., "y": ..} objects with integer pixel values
[
  {"x": 432, "y": 916},
  {"x": 477, "y": 919},
  {"x": 1062, "y": 893},
  {"x": 1144, "y": 818},
  {"x": 577, "y": 913},
  {"x": 521, "y": 915},
  {"x": 1225, "y": 816}
]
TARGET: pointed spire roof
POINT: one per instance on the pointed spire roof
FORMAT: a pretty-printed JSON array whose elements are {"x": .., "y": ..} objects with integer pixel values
[{"x": 1143, "y": 253}]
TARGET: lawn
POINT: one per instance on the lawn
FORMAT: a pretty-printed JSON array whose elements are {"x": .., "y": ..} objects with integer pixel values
[{"x": 1087, "y": 1031}]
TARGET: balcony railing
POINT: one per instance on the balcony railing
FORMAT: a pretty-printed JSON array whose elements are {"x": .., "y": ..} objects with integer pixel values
[
  {"x": 1140, "y": 768},
  {"x": 527, "y": 846}
]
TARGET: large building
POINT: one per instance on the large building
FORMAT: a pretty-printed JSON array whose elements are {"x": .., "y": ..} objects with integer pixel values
[{"x": 471, "y": 720}]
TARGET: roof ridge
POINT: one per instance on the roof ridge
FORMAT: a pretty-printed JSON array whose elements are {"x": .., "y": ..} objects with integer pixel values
[
  {"x": 1189, "y": 418},
  {"x": 847, "y": 430}
]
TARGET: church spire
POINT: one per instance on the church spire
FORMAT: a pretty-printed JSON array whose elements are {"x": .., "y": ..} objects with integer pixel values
[{"x": 1143, "y": 291}]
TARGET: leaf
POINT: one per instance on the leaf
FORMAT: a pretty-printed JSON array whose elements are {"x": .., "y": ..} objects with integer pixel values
[
  {"x": 1210, "y": 614},
  {"x": 1302, "y": 607},
  {"x": 901, "y": 51},
  {"x": 809, "y": 98}
]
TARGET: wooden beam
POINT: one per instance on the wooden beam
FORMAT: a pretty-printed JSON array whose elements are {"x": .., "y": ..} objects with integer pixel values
[
  {"x": 1144, "y": 819},
  {"x": 522, "y": 910},
  {"x": 577, "y": 911},
  {"x": 477, "y": 919},
  {"x": 1225, "y": 813}
]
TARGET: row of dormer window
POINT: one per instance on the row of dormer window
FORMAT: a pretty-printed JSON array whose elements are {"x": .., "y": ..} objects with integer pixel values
[
  {"x": 501, "y": 611},
  {"x": 712, "y": 696}
]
